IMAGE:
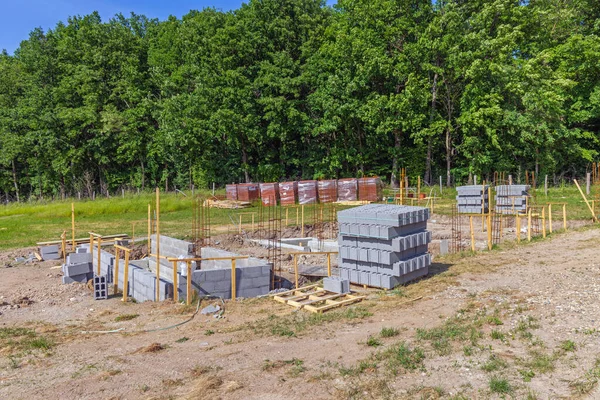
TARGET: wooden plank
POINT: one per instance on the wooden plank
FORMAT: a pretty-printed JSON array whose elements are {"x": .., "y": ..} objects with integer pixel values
[
  {"x": 297, "y": 297},
  {"x": 37, "y": 255},
  {"x": 82, "y": 241},
  {"x": 294, "y": 290},
  {"x": 334, "y": 304}
]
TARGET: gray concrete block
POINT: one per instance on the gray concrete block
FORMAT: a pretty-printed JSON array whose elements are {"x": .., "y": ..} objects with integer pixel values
[
  {"x": 83, "y": 278},
  {"x": 77, "y": 258},
  {"x": 336, "y": 284},
  {"x": 77, "y": 269}
]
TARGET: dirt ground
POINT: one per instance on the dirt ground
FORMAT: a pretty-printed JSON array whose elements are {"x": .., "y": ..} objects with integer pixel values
[{"x": 518, "y": 322}]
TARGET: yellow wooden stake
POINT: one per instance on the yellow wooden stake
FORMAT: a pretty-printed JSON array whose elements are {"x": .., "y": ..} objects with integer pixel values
[
  {"x": 489, "y": 230},
  {"x": 302, "y": 233},
  {"x": 73, "y": 226},
  {"x": 550, "y": 217},
  {"x": 529, "y": 225},
  {"x": 328, "y": 264},
  {"x": 188, "y": 289},
  {"x": 149, "y": 228},
  {"x": 586, "y": 201},
  {"x": 472, "y": 233},
  {"x": 63, "y": 246},
  {"x": 544, "y": 222},
  {"x": 99, "y": 254},
  {"x": 175, "y": 283},
  {"x": 125, "y": 276},
  {"x": 518, "y": 224},
  {"x": 157, "y": 244},
  {"x": 116, "y": 283},
  {"x": 296, "y": 270},
  {"x": 233, "y": 279}
]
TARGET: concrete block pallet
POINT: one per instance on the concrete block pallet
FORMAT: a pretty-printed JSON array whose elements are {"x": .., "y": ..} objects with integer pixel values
[
  {"x": 383, "y": 245},
  {"x": 473, "y": 199},
  {"x": 512, "y": 199}
]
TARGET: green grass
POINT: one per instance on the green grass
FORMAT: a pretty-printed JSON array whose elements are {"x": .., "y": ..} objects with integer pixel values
[
  {"x": 494, "y": 363},
  {"x": 500, "y": 385},
  {"x": 372, "y": 341},
  {"x": 23, "y": 339},
  {"x": 292, "y": 325},
  {"x": 568, "y": 345},
  {"x": 24, "y": 224},
  {"x": 401, "y": 357},
  {"x": 126, "y": 317},
  {"x": 389, "y": 332},
  {"x": 540, "y": 362}
]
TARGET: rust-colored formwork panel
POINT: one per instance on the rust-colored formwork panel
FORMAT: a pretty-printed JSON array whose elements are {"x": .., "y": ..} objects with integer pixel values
[
  {"x": 347, "y": 189},
  {"x": 248, "y": 192},
  {"x": 327, "y": 190},
  {"x": 232, "y": 192},
  {"x": 288, "y": 193},
  {"x": 370, "y": 189},
  {"x": 307, "y": 192},
  {"x": 269, "y": 193}
]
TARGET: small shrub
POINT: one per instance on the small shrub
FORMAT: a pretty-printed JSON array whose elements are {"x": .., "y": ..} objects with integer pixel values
[
  {"x": 500, "y": 385},
  {"x": 126, "y": 317},
  {"x": 373, "y": 341},
  {"x": 494, "y": 363},
  {"x": 389, "y": 332},
  {"x": 568, "y": 345}
]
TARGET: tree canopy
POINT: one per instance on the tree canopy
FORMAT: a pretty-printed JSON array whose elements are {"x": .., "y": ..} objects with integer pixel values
[{"x": 291, "y": 89}]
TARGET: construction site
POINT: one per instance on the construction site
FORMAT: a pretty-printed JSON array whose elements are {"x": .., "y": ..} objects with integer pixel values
[{"x": 314, "y": 289}]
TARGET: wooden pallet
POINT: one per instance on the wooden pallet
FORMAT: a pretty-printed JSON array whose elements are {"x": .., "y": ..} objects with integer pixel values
[{"x": 315, "y": 299}]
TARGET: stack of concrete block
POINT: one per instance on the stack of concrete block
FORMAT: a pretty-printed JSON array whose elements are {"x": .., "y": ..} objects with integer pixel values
[
  {"x": 383, "y": 245},
  {"x": 51, "y": 252},
  {"x": 253, "y": 276},
  {"x": 512, "y": 199},
  {"x": 100, "y": 287},
  {"x": 107, "y": 263},
  {"x": 472, "y": 199},
  {"x": 78, "y": 268},
  {"x": 141, "y": 284}
]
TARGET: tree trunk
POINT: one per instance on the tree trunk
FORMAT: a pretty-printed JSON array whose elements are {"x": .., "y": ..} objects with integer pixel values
[
  {"x": 245, "y": 162},
  {"x": 62, "y": 187},
  {"x": 166, "y": 178},
  {"x": 395, "y": 162},
  {"x": 143, "y": 174},
  {"x": 448, "y": 157},
  {"x": 429, "y": 141},
  {"x": 14, "y": 172}
]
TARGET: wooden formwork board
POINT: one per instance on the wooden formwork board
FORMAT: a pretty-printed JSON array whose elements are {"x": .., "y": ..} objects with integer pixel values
[{"x": 315, "y": 299}]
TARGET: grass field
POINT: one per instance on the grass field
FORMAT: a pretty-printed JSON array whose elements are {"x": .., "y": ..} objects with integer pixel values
[{"x": 24, "y": 224}]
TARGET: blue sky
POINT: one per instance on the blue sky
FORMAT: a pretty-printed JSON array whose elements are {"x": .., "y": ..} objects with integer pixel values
[{"x": 19, "y": 17}]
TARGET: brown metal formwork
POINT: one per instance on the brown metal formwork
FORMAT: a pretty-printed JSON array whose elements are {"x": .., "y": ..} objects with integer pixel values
[
  {"x": 327, "y": 190},
  {"x": 232, "y": 192},
  {"x": 248, "y": 192},
  {"x": 347, "y": 189},
  {"x": 288, "y": 193},
  {"x": 307, "y": 192},
  {"x": 370, "y": 189},
  {"x": 269, "y": 193}
]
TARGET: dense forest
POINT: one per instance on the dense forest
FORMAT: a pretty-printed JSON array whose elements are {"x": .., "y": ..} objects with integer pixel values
[{"x": 281, "y": 89}]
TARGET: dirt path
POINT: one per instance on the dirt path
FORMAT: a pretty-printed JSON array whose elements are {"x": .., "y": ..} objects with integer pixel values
[{"x": 519, "y": 322}]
